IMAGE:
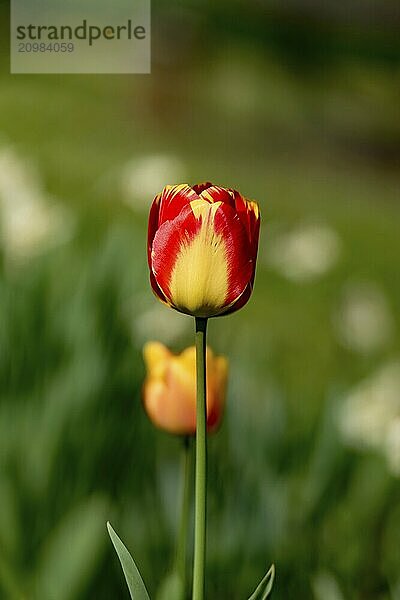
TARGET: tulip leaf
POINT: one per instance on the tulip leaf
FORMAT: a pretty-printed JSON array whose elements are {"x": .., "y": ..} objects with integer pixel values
[
  {"x": 137, "y": 589},
  {"x": 264, "y": 588}
]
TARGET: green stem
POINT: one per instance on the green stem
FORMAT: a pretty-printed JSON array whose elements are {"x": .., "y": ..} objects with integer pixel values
[
  {"x": 181, "y": 550},
  {"x": 201, "y": 462}
]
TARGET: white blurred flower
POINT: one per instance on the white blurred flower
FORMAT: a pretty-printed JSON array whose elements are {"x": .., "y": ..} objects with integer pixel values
[
  {"x": 30, "y": 221},
  {"x": 30, "y": 228},
  {"x": 393, "y": 446},
  {"x": 363, "y": 322},
  {"x": 370, "y": 415},
  {"x": 19, "y": 180},
  {"x": 160, "y": 324},
  {"x": 304, "y": 253},
  {"x": 144, "y": 177}
]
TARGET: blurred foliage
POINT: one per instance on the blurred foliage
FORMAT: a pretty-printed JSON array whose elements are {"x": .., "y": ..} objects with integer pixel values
[{"x": 296, "y": 105}]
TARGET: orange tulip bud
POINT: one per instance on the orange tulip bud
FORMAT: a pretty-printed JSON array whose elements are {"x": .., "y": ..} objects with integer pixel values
[{"x": 169, "y": 391}]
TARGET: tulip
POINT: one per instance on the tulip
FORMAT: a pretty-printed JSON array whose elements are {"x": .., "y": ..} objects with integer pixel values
[
  {"x": 202, "y": 248},
  {"x": 169, "y": 392}
]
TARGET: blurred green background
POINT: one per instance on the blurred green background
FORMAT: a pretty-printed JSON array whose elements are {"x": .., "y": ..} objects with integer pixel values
[{"x": 296, "y": 104}]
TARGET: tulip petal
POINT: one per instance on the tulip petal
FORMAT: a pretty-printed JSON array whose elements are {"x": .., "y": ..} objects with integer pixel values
[
  {"x": 156, "y": 356},
  {"x": 173, "y": 200},
  {"x": 241, "y": 301},
  {"x": 167, "y": 205},
  {"x": 158, "y": 291},
  {"x": 215, "y": 193},
  {"x": 153, "y": 225},
  {"x": 199, "y": 187},
  {"x": 249, "y": 214},
  {"x": 201, "y": 260},
  {"x": 240, "y": 262}
]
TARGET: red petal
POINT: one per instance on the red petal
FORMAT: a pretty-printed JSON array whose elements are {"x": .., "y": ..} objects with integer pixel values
[
  {"x": 238, "y": 250},
  {"x": 199, "y": 187},
  {"x": 241, "y": 301},
  {"x": 157, "y": 290},
  {"x": 215, "y": 193},
  {"x": 153, "y": 225},
  {"x": 173, "y": 199},
  {"x": 250, "y": 216}
]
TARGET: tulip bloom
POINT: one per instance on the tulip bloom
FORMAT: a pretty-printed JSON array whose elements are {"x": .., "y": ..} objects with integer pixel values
[
  {"x": 202, "y": 248},
  {"x": 169, "y": 391}
]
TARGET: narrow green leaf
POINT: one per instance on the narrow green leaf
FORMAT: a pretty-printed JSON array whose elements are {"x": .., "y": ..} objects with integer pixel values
[
  {"x": 264, "y": 588},
  {"x": 137, "y": 589}
]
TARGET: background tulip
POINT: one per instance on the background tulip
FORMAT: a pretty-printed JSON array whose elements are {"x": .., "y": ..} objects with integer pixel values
[
  {"x": 169, "y": 392},
  {"x": 202, "y": 248}
]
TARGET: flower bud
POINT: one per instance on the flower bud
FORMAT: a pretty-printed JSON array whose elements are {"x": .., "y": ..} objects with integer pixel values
[
  {"x": 202, "y": 248},
  {"x": 169, "y": 391}
]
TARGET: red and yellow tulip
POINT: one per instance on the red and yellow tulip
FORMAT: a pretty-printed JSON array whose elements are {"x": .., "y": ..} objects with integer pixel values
[
  {"x": 202, "y": 248},
  {"x": 169, "y": 391}
]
